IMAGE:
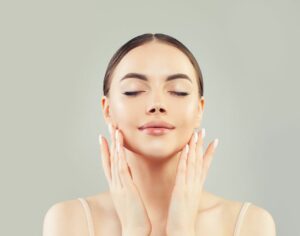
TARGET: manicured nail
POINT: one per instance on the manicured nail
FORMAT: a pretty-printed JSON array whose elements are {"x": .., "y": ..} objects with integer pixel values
[
  {"x": 216, "y": 142},
  {"x": 196, "y": 136},
  {"x": 110, "y": 128},
  {"x": 187, "y": 148},
  {"x": 203, "y": 132},
  {"x": 100, "y": 139}
]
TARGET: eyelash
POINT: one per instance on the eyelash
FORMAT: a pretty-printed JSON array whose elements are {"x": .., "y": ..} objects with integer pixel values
[{"x": 180, "y": 94}]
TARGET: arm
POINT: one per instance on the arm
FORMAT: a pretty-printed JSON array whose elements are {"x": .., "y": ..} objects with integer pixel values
[
  {"x": 62, "y": 219},
  {"x": 51, "y": 224},
  {"x": 258, "y": 222}
]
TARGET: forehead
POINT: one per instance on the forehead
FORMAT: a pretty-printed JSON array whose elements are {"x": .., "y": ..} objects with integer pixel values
[{"x": 155, "y": 59}]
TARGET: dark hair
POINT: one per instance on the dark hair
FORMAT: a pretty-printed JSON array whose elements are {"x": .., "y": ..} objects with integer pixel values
[{"x": 140, "y": 40}]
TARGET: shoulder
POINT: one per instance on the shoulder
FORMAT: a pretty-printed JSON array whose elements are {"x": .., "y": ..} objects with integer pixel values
[
  {"x": 64, "y": 218},
  {"x": 68, "y": 217},
  {"x": 258, "y": 221}
]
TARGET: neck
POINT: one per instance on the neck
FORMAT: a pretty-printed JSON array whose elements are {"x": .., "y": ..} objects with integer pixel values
[{"x": 154, "y": 178}]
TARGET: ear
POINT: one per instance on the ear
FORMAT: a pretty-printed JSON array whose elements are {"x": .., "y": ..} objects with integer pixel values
[
  {"x": 105, "y": 104},
  {"x": 201, "y": 103}
]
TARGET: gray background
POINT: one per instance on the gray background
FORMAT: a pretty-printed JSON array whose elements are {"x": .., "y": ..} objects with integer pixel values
[{"x": 53, "y": 58}]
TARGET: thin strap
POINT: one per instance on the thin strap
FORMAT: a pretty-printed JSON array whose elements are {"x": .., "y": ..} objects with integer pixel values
[
  {"x": 88, "y": 216},
  {"x": 240, "y": 218}
]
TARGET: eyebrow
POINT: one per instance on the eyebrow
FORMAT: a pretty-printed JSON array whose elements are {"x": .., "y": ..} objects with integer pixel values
[{"x": 143, "y": 77}]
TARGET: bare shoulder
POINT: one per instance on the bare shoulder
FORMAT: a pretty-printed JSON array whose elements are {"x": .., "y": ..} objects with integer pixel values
[
  {"x": 258, "y": 221},
  {"x": 225, "y": 212},
  {"x": 68, "y": 217},
  {"x": 106, "y": 220},
  {"x": 65, "y": 218}
]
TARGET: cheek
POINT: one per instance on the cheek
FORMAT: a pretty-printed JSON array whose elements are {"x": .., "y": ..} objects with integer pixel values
[
  {"x": 185, "y": 115},
  {"x": 129, "y": 115},
  {"x": 125, "y": 115},
  {"x": 186, "y": 120}
]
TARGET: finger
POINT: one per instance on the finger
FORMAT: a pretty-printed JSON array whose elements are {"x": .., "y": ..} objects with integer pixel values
[
  {"x": 199, "y": 154},
  {"x": 105, "y": 157},
  {"x": 191, "y": 160},
  {"x": 209, "y": 153},
  {"x": 118, "y": 179},
  {"x": 115, "y": 159},
  {"x": 124, "y": 171},
  {"x": 113, "y": 155},
  {"x": 112, "y": 138},
  {"x": 180, "y": 180}
]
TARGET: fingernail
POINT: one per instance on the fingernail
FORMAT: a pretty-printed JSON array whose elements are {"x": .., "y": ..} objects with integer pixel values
[
  {"x": 110, "y": 128},
  {"x": 216, "y": 142},
  {"x": 196, "y": 136},
  {"x": 187, "y": 148},
  {"x": 203, "y": 132},
  {"x": 100, "y": 138}
]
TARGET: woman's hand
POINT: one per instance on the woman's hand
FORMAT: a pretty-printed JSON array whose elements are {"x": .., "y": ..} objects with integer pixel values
[
  {"x": 126, "y": 198},
  {"x": 191, "y": 174}
]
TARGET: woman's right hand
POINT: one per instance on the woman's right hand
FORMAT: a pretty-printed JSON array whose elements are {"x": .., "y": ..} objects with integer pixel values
[{"x": 125, "y": 195}]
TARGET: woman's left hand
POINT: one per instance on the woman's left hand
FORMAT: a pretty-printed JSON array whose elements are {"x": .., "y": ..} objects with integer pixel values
[{"x": 191, "y": 174}]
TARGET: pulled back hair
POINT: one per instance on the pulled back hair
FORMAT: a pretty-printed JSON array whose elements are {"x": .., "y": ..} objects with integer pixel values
[{"x": 143, "y": 39}]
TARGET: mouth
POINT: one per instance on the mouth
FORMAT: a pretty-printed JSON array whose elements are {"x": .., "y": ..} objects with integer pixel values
[{"x": 156, "y": 130}]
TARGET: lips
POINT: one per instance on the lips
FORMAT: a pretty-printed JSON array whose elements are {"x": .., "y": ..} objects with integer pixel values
[
  {"x": 156, "y": 131},
  {"x": 157, "y": 124}
]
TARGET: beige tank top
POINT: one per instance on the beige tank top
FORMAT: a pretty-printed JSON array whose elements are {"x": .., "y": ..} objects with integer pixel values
[{"x": 91, "y": 231}]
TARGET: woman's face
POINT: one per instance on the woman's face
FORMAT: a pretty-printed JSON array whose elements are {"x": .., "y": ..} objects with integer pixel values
[{"x": 156, "y": 101}]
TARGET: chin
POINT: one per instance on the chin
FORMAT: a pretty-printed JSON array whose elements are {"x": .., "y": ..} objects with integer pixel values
[{"x": 157, "y": 153}]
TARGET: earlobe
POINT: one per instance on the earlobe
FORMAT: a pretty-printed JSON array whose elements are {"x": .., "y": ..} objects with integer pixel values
[
  {"x": 105, "y": 108},
  {"x": 200, "y": 111},
  {"x": 201, "y": 106},
  {"x": 106, "y": 112},
  {"x": 104, "y": 101},
  {"x": 202, "y": 103}
]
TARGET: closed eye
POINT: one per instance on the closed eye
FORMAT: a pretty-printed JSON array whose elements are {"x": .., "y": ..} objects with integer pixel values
[
  {"x": 172, "y": 92},
  {"x": 131, "y": 93},
  {"x": 179, "y": 93}
]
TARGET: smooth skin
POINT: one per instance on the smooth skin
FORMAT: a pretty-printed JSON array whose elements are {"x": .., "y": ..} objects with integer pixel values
[
  {"x": 191, "y": 173},
  {"x": 157, "y": 196},
  {"x": 128, "y": 203}
]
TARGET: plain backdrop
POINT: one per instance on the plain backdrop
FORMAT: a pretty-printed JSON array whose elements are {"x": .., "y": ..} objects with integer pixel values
[{"x": 53, "y": 55}]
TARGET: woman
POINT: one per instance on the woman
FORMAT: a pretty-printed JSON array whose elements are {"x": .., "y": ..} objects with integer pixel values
[{"x": 156, "y": 165}]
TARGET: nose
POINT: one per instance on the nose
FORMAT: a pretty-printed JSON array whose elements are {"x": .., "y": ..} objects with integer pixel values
[
  {"x": 155, "y": 104},
  {"x": 157, "y": 108}
]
